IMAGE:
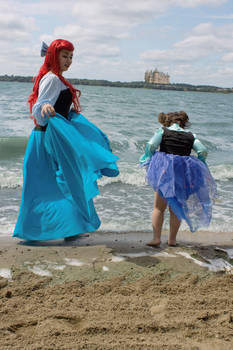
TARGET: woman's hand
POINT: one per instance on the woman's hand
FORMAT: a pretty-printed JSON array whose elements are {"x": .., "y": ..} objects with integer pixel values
[{"x": 47, "y": 110}]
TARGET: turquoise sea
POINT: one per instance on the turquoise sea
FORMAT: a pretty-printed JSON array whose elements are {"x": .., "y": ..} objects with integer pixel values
[{"x": 129, "y": 118}]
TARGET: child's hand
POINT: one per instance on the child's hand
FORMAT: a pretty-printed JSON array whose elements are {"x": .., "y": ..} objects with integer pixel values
[{"x": 47, "y": 110}]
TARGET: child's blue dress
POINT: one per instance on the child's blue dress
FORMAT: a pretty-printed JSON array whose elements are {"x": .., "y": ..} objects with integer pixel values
[{"x": 184, "y": 181}]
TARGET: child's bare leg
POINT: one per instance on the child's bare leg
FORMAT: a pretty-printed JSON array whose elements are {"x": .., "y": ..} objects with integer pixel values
[
  {"x": 157, "y": 219},
  {"x": 174, "y": 227}
]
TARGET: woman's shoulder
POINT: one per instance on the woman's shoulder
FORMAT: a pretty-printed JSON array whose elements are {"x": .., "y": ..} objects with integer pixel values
[
  {"x": 51, "y": 81},
  {"x": 50, "y": 78}
]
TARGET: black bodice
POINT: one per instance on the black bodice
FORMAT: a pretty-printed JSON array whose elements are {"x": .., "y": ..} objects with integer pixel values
[
  {"x": 63, "y": 103},
  {"x": 177, "y": 142}
]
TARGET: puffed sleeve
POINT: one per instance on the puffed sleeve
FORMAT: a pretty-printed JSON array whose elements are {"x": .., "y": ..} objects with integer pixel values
[
  {"x": 200, "y": 149},
  {"x": 49, "y": 90},
  {"x": 151, "y": 146}
]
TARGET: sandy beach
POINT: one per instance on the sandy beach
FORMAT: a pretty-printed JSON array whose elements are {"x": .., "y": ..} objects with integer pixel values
[{"x": 111, "y": 291}]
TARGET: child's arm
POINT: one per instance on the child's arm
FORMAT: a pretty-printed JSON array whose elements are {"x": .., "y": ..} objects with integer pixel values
[
  {"x": 151, "y": 146},
  {"x": 200, "y": 149}
]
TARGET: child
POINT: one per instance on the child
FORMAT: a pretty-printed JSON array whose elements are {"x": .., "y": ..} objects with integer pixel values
[
  {"x": 180, "y": 180},
  {"x": 65, "y": 156}
]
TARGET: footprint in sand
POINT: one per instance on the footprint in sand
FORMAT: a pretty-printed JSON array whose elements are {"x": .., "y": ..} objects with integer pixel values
[{"x": 158, "y": 310}]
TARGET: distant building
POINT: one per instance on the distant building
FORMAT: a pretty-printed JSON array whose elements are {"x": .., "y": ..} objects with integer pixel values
[{"x": 156, "y": 77}]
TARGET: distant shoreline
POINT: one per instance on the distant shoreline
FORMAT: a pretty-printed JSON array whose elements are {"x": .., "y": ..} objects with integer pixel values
[{"x": 134, "y": 84}]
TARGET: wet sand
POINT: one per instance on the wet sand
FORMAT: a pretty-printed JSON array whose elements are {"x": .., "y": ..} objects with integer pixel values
[{"x": 111, "y": 291}]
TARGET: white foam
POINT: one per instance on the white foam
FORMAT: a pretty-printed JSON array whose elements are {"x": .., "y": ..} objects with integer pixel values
[
  {"x": 6, "y": 273},
  {"x": 136, "y": 255},
  {"x": 140, "y": 254},
  {"x": 74, "y": 262},
  {"x": 6, "y": 229},
  {"x": 9, "y": 207},
  {"x": 105, "y": 268},
  {"x": 228, "y": 251},
  {"x": 213, "y": 265},
  {"x": 55, "y": 266},
  {"x": 220, "y": 226},
  {"x": 37, "y": 270},
  {"x": 222, "y": 172},
  {"x": 135, "y": 178},
  {"x": 50, "y": 265},
  {"x": 116, "y": 258},
  {"x": 198, "y": 262},
  {"x": 165, "y": 254},
  {"x": 220, "y": 265},
  {"x": 10, "y": 178},
  {"x": 124, "y": 225}
]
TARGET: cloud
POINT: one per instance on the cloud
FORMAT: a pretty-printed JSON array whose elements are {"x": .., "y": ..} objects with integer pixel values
[
  {"x": 209, "y": 39},
  {"x": 194, "y": 3},
  {"x": 203, "y": 28},
  {"x": 202, "y": 55},
  {"x": 104, "y": 23},
  {"x": 155, "y": 55},
  {"x": 203, "y": 45},
  {"x": 127, "y": 14},
  {"x": 13, "y": 27},
  {"x": 90, "y": 42},
  {"x": 111, "y": 37},
  {"x": 93, "y": 20},
  {"x": 205, "y": 40},
  {"x": 228, "y": 57},
  {"x": 230, "y": 16}
]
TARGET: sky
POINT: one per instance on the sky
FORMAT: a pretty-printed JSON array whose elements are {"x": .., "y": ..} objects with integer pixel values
[{"x": 191, "y": 40}]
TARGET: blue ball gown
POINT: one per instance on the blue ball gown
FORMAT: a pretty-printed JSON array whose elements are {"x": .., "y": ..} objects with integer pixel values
[{"x": 60, "y": 173}]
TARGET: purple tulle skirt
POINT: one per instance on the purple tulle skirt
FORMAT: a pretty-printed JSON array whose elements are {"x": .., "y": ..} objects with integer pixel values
[{"x": 186, "y": 184}]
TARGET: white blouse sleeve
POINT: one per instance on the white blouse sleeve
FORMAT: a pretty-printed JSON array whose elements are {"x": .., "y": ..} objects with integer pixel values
[{"x": 49, "y": 90}]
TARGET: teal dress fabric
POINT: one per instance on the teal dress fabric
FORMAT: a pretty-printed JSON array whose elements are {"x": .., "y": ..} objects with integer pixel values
[{"x": 60, "y": 173}]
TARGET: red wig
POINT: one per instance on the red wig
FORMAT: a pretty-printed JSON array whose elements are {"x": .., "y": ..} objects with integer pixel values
[{"x": 51, "y": 63}]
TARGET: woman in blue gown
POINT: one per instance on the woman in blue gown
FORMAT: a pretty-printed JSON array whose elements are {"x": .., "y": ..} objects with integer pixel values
[
  {"x": 179, "y": 179},
  {"x": 65, "y": 156}
]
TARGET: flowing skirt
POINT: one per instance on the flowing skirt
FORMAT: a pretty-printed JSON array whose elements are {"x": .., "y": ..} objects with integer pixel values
[
  {"x": 186, "y": 184},
  {"x": 60, "y": 172}
]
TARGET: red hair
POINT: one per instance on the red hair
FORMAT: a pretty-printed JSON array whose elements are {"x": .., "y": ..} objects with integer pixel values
[{"x": 51, "y": 63}]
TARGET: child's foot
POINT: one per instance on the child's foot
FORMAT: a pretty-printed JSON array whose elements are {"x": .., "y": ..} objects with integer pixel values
[{"x": 154, "y": 243}]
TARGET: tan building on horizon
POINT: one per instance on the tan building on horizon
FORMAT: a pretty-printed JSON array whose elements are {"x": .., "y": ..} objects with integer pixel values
[{"x": 156, "y": 77}]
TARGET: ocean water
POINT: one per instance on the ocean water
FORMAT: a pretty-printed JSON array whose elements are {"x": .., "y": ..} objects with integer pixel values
[{"x": 129, "y": 118}]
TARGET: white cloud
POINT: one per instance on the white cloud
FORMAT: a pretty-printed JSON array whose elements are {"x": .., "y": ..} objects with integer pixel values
[
  {"x": 155, "y": 55},
  {"x": 195, "y": 42},
  {"x": 126, "y": 14},
  {"x": 113, "y": 38},
  {"x": 230, "y": 16},
  {"x": 205, "y": 40},
  {"x": 203, "y": 29},
  {"x": 228, "y": 57},
  {"x": 13, "y": 27},
  {"x": 209, "y": 39},
  {"x": 227, "y": 71},
  {"x": 194, "y": 3},
  {"x": 201, "y": 54}
]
